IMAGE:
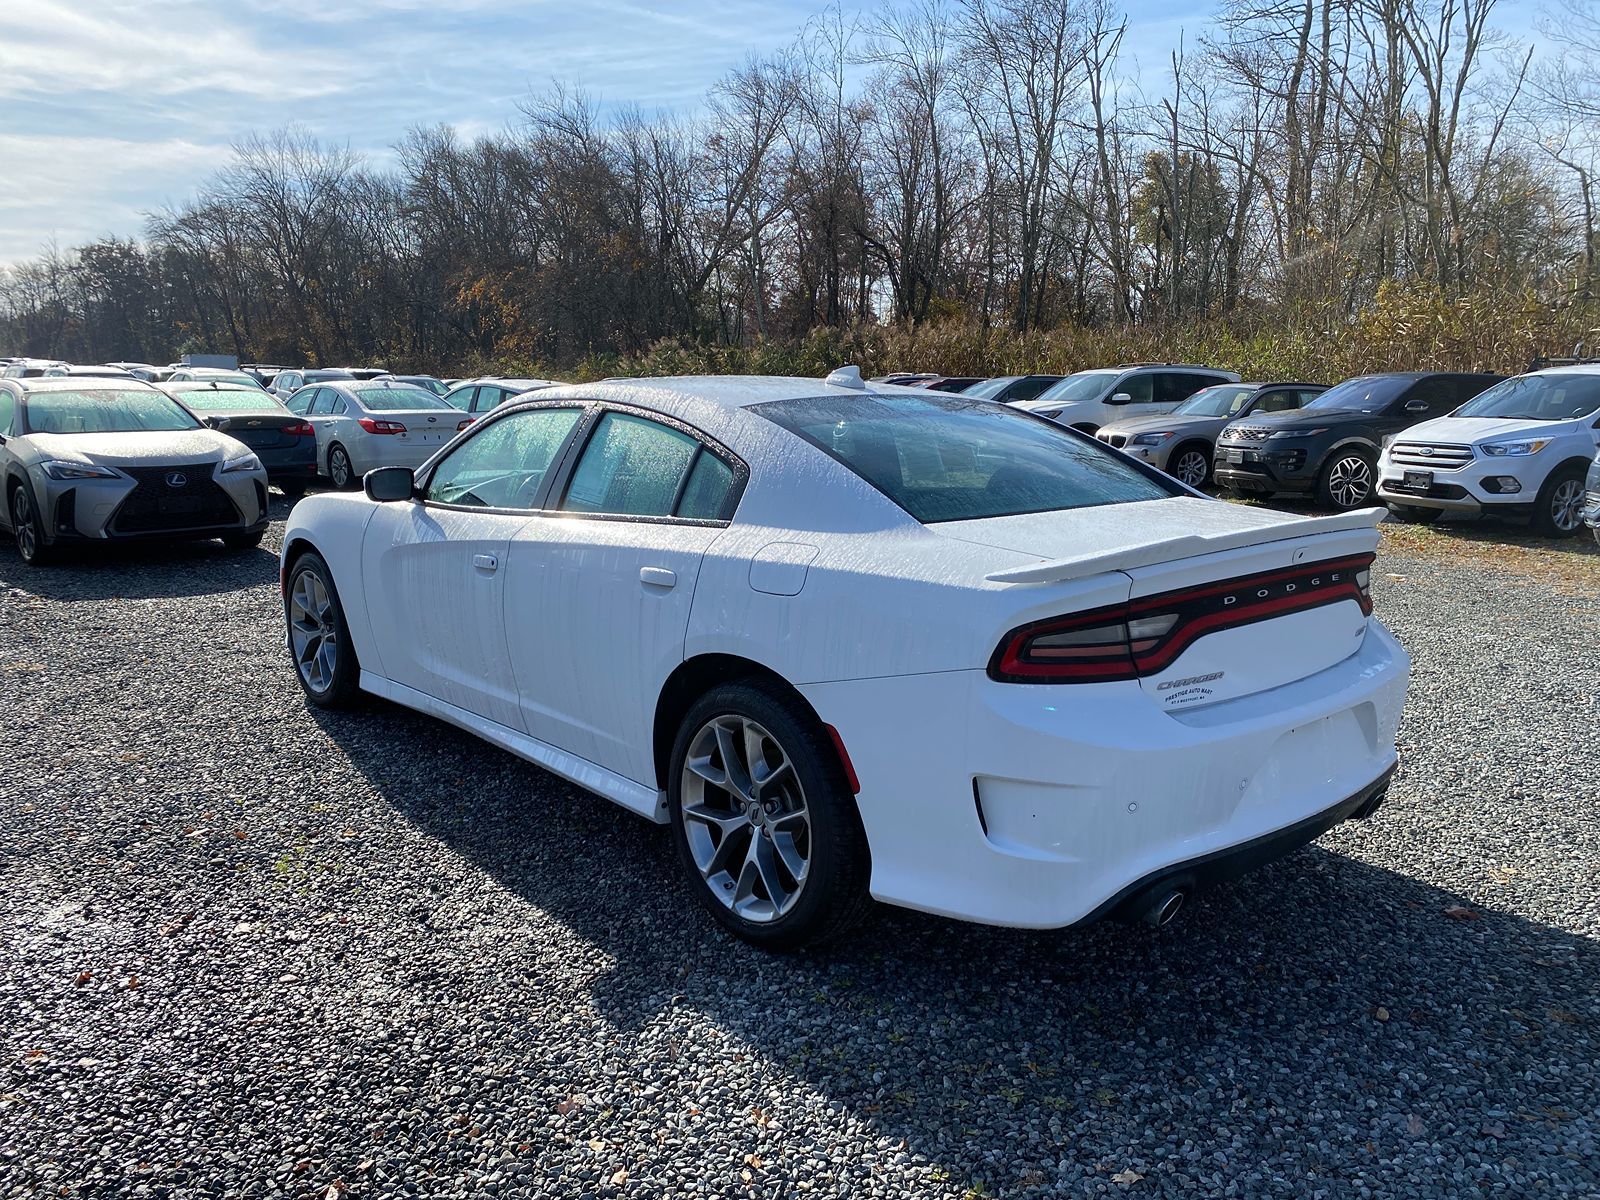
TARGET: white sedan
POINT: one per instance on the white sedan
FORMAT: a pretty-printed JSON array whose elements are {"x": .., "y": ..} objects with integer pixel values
[
  {"x": 363, "y": 424},
  {"x": 852, "y": 640}
]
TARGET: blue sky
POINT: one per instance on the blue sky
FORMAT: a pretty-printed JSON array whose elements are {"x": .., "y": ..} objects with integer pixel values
[{"x": 110, "y": 109}]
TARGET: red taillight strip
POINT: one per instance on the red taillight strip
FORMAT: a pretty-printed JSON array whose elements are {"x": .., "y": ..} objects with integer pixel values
[{"x": 1219, "y": 604}]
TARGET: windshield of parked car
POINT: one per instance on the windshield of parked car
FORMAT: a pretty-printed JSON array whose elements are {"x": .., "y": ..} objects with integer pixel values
[
  {"x": 951, "y": 458},
  {"x": 399, "y": 397},
  {"x": 106, "y": 411},
  {"x": 1364, "y": 393},
  {"x": 433, "y": 385},
  {"x": 1561, "y": 397},
  {"x": 988, "y": 389},
  {"x": 226, "y": 399},
  {"x": 1223, "y": 400},
  {"x": 1085, "y": 385}
]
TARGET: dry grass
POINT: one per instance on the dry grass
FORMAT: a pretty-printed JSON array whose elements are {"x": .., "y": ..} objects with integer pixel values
[{"x": 1570, "y": 567}]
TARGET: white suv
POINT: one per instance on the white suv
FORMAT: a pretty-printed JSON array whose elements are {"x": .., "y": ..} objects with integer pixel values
[
  {"x": 1090, "y": 399},
  {"x": 1521, "y": 449}
]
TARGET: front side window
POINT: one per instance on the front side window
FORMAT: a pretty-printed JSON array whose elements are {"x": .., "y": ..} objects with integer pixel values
[
  {"x": 488, "y": 397},
  {"x": 106, "y": 412},
  {"x": 949, "y": 458},
  {"x": 461, "y": 397},
  {"x": 504, "y": 464},
  {"x": 1560, "y": 397},
  {"x": 631, "y": 466}
]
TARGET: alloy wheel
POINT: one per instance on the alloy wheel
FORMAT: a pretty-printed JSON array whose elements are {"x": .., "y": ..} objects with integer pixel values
[
  {"x": 313, "y": 634},
  {"x": 1350, "y": 481},
  {"x": 339, "y": 467},
  {"x": 746, "y": 819},
  {"x": 1566, "y": 505},
  {"x": 1191, "y": 468},
  {"x": 22, "y": 524}
]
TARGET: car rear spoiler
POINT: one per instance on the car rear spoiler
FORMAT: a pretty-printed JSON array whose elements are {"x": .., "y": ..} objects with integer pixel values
[{"x": 1188, "y": 546}]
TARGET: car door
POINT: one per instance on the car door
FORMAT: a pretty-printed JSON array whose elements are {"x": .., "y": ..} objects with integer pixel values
[
  {"x": 1142, "y": 398},
  {"x": 8, "y": 457},
  {"x": 435, "y": 565},
  {"x": 488, "y": 398},
  {"x": 601, "y": 587}
]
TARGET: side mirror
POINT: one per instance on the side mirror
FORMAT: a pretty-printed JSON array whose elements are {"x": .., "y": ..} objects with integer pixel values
[
  {"x": 1120, "y": 398},
  {"x": 214, "y": 422},
  {"x": 388, "y": 484},
  {"x": 1416, "y": 406}
]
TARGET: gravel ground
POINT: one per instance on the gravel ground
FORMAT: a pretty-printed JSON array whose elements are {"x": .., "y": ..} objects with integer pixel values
[{"x": 255, "y": 951}]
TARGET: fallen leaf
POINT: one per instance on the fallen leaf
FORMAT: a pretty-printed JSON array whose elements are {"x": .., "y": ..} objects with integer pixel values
[
  {"x": 83, "y": 978},
  {"x": 745, "y": 1175},
  {"x": 333, "y": 1189},
  {"x": 239, "y": 833},
  {"x": 620, "y": 1178},
  {"x": 1381, "y": 1013},
  {"x": 133, "y": 982},
  {"x": 597, "y": 1144},
  {"x": 1461, "y": 912},
  {"x": 753, "y": 1161},
  {"x": 1127, "y": 1178}
]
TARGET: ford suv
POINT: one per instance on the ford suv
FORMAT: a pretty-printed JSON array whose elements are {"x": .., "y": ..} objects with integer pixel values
[
  {"x": 1520, "y": 449},
  {"x": 1329, "y": 449},
  {"x": 1090, "y": 399}
]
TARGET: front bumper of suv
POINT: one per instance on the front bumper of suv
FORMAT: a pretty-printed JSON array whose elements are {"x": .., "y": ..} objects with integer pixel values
[
  {"x": 1270, "y": 465},
  {"x": 1500, "y": 485}
]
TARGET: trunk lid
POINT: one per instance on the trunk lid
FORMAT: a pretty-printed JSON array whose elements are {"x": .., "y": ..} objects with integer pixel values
[
  {"x": 1256, "y": 599},
  {"x": 262, "y": 431},
  {"x": 431, "y": 427}
]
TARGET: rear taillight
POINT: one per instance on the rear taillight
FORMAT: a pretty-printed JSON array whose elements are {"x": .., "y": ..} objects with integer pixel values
[
  {"x": 373, "y": 425},
  {"x": 1145, "y": 636},
  {"x": 463, "y": 424},
  {"x": 304, "y": 429}
]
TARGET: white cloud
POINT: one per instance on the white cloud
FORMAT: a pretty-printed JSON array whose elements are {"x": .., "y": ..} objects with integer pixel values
[
  {"x": 77, "y": 189},
  {"x": 161, "y": 47}
]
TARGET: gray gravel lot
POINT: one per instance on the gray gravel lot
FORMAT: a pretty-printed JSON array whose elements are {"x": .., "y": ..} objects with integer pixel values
[{"x": 252, "y": 951}]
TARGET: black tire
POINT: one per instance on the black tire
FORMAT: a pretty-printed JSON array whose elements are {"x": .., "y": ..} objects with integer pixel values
[
  {"x": 292, "y": 488},
  {"x": 341, "y": 473},
  {"x": 243, "y": 541},
  {"x": 1204, "y": 453},
  {"x": 1410, "y": 514},
  {"x": 1347, "y": 466},
  {"x": 342, "y": 688},
  {"x": 27, "y": 528},
  {"x": 833, "y": 896},
  {"x": 1558, "y": 512}
]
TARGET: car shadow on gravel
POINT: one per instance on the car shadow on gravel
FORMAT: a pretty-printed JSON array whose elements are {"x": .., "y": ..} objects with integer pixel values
[
  {"x": 139, "y": 571},
  {"x": 1324, "y": 1011}
]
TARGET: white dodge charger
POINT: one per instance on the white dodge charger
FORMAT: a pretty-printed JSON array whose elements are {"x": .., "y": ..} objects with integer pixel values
[{"x": 856, "y": 641}]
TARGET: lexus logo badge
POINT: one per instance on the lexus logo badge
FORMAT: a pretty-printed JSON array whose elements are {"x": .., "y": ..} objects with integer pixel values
[{"x": 176, "y": 479}]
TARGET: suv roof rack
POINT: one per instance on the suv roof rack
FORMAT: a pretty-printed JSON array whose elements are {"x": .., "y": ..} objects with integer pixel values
[{"x": 1194, "y": 366}]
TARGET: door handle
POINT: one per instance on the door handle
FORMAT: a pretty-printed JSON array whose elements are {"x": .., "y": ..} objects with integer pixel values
[
  {"x": 658, "y": 577},
  {"x": 486, "y": 562}
]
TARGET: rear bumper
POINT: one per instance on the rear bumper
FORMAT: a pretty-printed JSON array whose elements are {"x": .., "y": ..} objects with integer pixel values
[
  {"x": 382, "y": 450},
  {"x": 1044, "y": 806},
  {"x": 1223, "y": 865}
]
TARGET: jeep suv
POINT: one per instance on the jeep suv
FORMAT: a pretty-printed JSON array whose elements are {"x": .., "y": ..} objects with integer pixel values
[
  {"x": 1090, "y": 399},
  {"x": 1329, "y": 449},
  {"x": 1520, "y": 449}
]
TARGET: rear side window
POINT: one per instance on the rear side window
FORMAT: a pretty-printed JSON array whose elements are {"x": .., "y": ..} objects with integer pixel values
[
  {"x": 8, "y": 410},
  {"x": 323, "y": 404},
  {"x": 949, "y": 458},
  {"x": 631, "y": 467},
  {"x": 708, "y": 490}
]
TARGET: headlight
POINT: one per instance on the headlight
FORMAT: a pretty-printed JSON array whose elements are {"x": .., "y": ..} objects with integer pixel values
[
  {"x": 1151, "y": 439},
  {"x": 245, "y": 462},
  {"x": 72, "y": 470},
  {"x": 1515, "y": 449},
  {"x": 1289, "y": 433}
]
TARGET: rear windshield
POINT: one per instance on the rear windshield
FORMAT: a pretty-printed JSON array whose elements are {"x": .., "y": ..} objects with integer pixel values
[
  {"x": 951, "y": 458},
  {"x": 1560, "y": 397},
  {"x": 1365, "y": 393},
  {"x": 987, "y": 389},
  {"x": 106, "y": 411},
  {"x": 398, "y": 397},
  {"x": 210, "y": 399}
]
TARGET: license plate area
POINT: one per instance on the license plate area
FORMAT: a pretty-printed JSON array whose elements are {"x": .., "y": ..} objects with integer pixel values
[
  {"x": 1233, "y": 456},
  {"x": 1417, "y": 481}
]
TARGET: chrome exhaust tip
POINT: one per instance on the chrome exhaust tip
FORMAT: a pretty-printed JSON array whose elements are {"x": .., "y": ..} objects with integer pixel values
[{"x": 1163, "y": 908}]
